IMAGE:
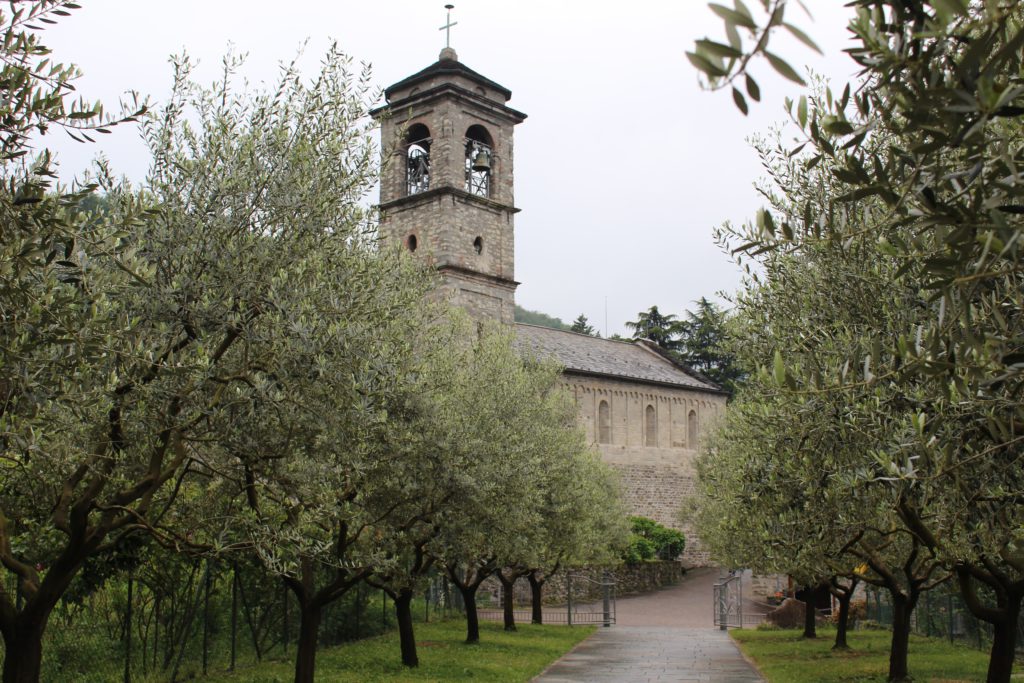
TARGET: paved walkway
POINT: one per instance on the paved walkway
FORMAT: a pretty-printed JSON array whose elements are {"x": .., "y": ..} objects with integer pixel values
[
  {"x": 637, "y": 654},
  {"x": 688, "y": 604},
  {"x": 667, "y": 635}
]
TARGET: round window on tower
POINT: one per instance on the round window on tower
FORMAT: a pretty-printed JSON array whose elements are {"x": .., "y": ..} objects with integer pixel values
[
  {"x": 410, "y": 242},
  {"x": 478, "y": 245}
]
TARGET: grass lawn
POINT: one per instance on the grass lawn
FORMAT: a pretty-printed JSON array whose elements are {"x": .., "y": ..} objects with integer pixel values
[
  {"x": 443, "y": 656},
  {"x": 784, "y": 657}
]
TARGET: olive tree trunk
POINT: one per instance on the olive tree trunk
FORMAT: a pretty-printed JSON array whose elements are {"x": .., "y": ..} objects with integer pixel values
[
  {"x": 843, "y": 595},
  {"x": 311, "y": 603},
  {"x": 472, "y": 618},
  {"x": 810, "y": 614},
  {"x": 309, "y": 628},
  {"x": 902, "y": 608},
  {"x": 536, "y": 597},
  {"x": 406, "y": 634},
  {"x": 468, "y": 582},
  {"x": 508, "y": 578},
  {"x": 1003, "y": 617},
  {"x": 23, "y": 629},
  {"x": 24, "y": 652}
]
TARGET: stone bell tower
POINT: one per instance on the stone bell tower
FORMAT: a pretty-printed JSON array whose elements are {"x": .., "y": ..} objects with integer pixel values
[{"x": 446, "y": 188}]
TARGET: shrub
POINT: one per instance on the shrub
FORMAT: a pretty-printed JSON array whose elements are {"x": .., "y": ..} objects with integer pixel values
[
  {"x": 649, "y": 540},
  {"x": 639, "y": 550}
]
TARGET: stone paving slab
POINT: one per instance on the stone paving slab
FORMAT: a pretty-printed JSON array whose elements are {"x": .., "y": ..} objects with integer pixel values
[{"x": 642, "y": 654}]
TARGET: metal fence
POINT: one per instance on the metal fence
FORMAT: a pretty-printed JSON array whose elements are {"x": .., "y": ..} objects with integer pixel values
[
  {"x": 179, "y": 619},
  {"x": 940, "y": 613},
  {"x": 574, "y": 611}
]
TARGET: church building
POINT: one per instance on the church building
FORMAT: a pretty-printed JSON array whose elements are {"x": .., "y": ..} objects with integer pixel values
[{"x": 447, "y": 194}]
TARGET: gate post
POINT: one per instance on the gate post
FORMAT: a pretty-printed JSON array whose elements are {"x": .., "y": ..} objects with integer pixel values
[
  {"x": 949, "y": 613},
  {"x": 234, "y": 614},
  {"x": 723, "y": 618},
  {"x": 739, "y": 602},
  {"x": 568, "y": 602},
  {"x": 607, "y": 586},
  {"x": 128, "y": 636}
]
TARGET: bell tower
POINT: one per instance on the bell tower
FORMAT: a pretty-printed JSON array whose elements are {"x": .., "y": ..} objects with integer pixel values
[{"x": 446, "y": 188}]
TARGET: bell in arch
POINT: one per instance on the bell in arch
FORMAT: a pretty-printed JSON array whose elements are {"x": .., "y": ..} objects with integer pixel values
[{"x": 482, "y": 159}]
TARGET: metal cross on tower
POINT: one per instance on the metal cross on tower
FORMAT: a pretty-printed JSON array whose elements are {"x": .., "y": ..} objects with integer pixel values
[{"x": 447, "y": 28}]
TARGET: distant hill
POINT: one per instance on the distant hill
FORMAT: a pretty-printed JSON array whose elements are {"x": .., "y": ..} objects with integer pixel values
[{"x": 537, "y": 318}]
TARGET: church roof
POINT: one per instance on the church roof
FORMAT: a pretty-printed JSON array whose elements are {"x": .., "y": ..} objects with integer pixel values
[
  {"x": 630, "y": 361},
  {"x": 446, "y": 67}
]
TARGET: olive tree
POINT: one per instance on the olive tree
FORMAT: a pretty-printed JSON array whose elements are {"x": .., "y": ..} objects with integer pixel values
[
  {"x": 941, "y": 84},
  {"x": 67, "y": 486},
  {"x": 809, "y": 428},
  {"x": 579, "y": 518},
  {"x": 789, "y": 481},
  {"x": 583, "y": 522},
  {"x": 328, "y": 486},
  {"x": 511, "y": 416},
  {"x": 432, "y": 463},
  {"x": 313, "y": 443}
]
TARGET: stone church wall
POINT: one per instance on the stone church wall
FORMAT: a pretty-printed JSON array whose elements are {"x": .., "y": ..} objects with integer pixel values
[
  {"x": 656, "y": 471},
  {"x": 448, "y": 118},
  {"x": 647, "y": 431},
  {"x": 469, "y": 239}
]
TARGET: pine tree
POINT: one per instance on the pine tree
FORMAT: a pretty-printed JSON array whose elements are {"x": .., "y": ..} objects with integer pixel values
[
  {"x": 701, "y": 344},
  {"x": 582, "y": 326},
  {"x": 660, "y": 329}
]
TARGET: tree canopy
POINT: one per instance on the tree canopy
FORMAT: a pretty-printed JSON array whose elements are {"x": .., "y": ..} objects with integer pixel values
[
  {"x": 225, "y": 361},
  {"x": 900, "y": 199},
  {"x": 659, "y": 327},
  {"x": 525, "y": 315},
  {"x": 582, "y": 326},
  {"x": 702, "y": 344},
  {"x": 699, "y": 340}
]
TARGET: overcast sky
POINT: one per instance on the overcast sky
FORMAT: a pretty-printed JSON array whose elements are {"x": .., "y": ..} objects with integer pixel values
[{"x": 623, "y": 167}]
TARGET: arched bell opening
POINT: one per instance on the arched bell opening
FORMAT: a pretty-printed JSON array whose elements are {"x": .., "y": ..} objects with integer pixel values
[
  {"x": 417, "y": 159},
  {"x": 479, "y": 160}
]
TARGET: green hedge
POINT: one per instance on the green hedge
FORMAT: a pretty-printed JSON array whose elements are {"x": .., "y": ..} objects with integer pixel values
[{"x": 650, "y": 540}]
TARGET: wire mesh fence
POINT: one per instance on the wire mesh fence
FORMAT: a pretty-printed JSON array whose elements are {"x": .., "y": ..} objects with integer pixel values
[
  {"x": 940, "y": 613},
  {"x": 180, "y": 619},
  {"x": 588, "y": 598}
]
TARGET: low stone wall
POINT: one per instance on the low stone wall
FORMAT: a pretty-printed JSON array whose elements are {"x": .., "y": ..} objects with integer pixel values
[
  {"x": 647, "y": 576},
  {"x": 586, "y": 583},
  {"x": 764, "y": 587}
]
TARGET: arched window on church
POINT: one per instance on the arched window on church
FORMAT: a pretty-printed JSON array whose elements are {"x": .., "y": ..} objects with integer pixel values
[
  {"x": 479, "y": 155},
  {"x": 417, "y": 159},
  {"x": 691, "y": 429},
  {"x": 651, "y": 427},
  {"x": 604, "y": 422}
]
